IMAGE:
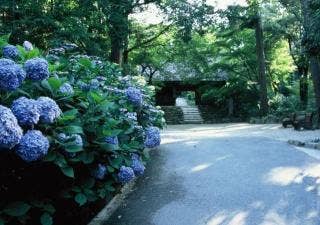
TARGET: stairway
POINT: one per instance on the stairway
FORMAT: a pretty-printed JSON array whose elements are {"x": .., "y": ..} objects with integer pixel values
[{"x": 191, "y": 115}]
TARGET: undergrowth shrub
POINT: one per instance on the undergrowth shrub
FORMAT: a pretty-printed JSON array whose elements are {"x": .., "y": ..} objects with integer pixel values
[{"x": 72, "y": 131}]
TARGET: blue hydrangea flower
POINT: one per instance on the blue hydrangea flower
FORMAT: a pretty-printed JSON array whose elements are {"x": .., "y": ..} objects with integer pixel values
[
  {"x": 134, "y": 95},
  {"x": 77, "y": 139},
  {"x": 83, "y": 86},
  {"x": 126, "y": 174},
  {"x": 10, "y": 52},
  {"x": 94, "y": 84},
  {"x": 27, "y": 45},
  {"x": 70, "y": 46},
  {"x": 6, "y": 62},
  {"x": 66, "y": 89},
  {"x": 112, "y": 140},
  {"x": 137, "y": 167},
  {"x": 26, "y": 111},
  {"x": 135, "y": 156},
  {"x": 37, "y": 69},
  {"x": 49, "y": 110},
  {"x": 132, "y": 116},
  {"x": 33, "y": 146},
  {"x": 101, "y": 78},
  {"x": 153, "y": 138},
  {"x": 57, "y": 51},
  {"x": 10, "y": 131},
  {"x": 11, "y": 77},
  {"x": 99, "y": 172},
  {"x": 62, "y": 137}
]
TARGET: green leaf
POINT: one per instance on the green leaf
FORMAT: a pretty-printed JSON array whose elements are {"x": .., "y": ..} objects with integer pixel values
[
  {"x": 89, "y": 183},
  {"x": 110, "y": 169},
  {"x": 68, "y": 171},
  {"x": 46, "y": 219},
  {"x": 2, "y": 222},
  {"x": 60, "y": 160},
  {"x": 97, "y": 98},
  {"x": 17, "y": 209},
  {"x": 73, "y": 129},
  {"x": 72, "y": 148},
  {"x": 51, "y": 156},
  {"x": 49, "y": 208},
  {"x": 87, "y": 157},
  {"x": 85, "y": 62},
  {"x": 81, "y": 199},
  {"x": 117, "y": 162},
  {"x": 69, "y": 115},
  {"x": 54, "y": 83}
]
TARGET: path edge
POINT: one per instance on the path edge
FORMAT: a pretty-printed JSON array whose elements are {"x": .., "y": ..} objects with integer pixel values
[{"x": 102, "y": 217}]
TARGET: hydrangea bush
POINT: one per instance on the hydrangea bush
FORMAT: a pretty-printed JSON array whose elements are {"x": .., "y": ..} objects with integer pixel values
[{"x": 73, "y": 129}]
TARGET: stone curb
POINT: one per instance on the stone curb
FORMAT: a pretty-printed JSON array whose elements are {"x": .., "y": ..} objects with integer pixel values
[
  {"x": 102, "y": 217},
  {"x": 305, "y": 144}
]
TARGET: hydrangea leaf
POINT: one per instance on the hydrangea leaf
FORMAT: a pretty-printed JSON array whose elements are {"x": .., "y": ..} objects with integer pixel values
[
  {"x": 68, "y": 171},
  {"x": 54, "y": 83},
  {"x": 72, "y": 148},
  {"x": 46, "y": 219},
  {"x": 73, "y": 129},
  {"x": 81, "y": 199},
  {"x": 17, "y": 209},
  {"x": 69, "y": 115},
  {"x": 87, "y": 157}
]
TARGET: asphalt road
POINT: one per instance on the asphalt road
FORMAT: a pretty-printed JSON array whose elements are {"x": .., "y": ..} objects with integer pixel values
[{"x": 225, "y": 175}]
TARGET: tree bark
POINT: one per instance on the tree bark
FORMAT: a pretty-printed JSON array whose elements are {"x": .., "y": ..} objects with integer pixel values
[
  {"x": 314, "y": 59},
  {"x": 304, "y": 87},
  {"x": 315, "y": 71},
  {"x": 116, "y": 51},
  {"x": 262, "y": 67},
  {"x": 118, "y": 24}
]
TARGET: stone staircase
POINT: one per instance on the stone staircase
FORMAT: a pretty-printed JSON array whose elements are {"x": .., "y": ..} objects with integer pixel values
[{"x": 191, "y": 115}]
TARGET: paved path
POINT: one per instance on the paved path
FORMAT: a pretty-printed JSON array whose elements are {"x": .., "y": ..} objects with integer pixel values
[{"x": 234, "y": 174}]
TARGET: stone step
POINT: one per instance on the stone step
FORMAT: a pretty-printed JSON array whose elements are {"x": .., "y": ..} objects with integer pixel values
[{"x": 191, "y": 115}]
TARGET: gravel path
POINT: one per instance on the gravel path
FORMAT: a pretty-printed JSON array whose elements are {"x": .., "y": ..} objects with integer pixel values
[{"x": 229, "y": 174}]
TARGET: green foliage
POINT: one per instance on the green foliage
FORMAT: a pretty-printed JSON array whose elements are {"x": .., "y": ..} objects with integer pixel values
[{"x": 97, "y": 109}]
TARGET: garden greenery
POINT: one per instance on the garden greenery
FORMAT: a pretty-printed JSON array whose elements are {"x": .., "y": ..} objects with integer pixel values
[{"x": 72, "y": 130}]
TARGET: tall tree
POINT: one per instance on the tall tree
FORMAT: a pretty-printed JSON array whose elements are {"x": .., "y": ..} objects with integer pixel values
[
  {"x": 261, "y": 64},
  {"x": 118, "y": 22},
  {"x": 311, "y": 14}
]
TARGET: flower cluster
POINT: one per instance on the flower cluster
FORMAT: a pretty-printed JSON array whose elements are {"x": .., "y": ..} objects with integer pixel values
[
  {"x": 10, "y": 52},
  {"x": 26, "y": 111},
  {"x": 37, "y": 69},
  {"x": 11, "y": 75},
  {"x": 10, "y": 131},
  {"x": 134, "y": 95},
  {"x": 33, "y": 146},
  {"x": 126, "y": 174},
  {"x": 77, "y": 139},
  {"x": 112, "y": 140},
  {"x": 66, "y": 89},
  {"x": 27, "y": 46},
  {"x": 6, "y": 62},
  {"x": 153, "y": 138},
  {"x": 99, "y": 172},
  {"x": 49, "y": 110},
  {"x": 137, "y": 166}
]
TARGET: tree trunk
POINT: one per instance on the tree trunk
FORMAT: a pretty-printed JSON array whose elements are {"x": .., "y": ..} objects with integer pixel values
[
  {"x": 118, "y": 25},
  {"x": 315, "y": 71},
  {"x": 262, "y": 67},
  {"x": 314, "y": 59},
  {"x": 304, "y": 87},
  {"x": 116, "y": 51}
]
